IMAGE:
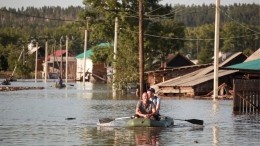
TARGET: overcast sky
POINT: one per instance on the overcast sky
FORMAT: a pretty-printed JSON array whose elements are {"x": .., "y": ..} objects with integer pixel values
[{"x": 66, "y": 3}]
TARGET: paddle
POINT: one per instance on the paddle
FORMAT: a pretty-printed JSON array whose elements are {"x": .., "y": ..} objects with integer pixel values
[
  {"x": 193, "y": 121},
  {"x": 108, "y": 120}
]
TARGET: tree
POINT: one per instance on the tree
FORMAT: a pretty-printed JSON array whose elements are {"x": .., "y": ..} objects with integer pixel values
[
  {"x": 206, "y": 43},
  {"x": 170, "y": 39},
  {"x": 232, "y": 42},
  {"x": 237, "y": 37},
  {"x": 104, "y": 13},
  {"x": 24, "y": 69},
  {"x": 3, "y": 58}
]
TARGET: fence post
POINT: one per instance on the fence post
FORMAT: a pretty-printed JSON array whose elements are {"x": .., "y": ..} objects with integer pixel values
[{"x": 235, "y": 98}]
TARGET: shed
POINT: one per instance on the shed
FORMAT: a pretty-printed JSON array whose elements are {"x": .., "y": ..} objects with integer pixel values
[
  {"x": 94, "y": 71},
  {"x": 57, "y": 64}
]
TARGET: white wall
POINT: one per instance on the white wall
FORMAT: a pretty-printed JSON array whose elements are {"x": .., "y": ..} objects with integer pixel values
[{"x": 80, "y": 68}]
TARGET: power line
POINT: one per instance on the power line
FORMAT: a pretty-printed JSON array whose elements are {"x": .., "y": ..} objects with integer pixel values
[
  {"x": 190, "y": 39},
  {"x": 238, "y": 22}
]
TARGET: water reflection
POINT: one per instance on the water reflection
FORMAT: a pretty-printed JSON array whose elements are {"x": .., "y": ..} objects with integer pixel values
[
  {"x": 124, "y": 136},
  {"x": 215, "y": 108},
  {"x": 147, "y": 136},
  {"x": 215, "y": 135}
]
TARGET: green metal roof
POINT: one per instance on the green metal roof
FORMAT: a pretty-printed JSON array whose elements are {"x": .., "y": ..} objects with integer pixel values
[
  {"x": 89, "y": 52},
  {"x": 249, "y": 65}
]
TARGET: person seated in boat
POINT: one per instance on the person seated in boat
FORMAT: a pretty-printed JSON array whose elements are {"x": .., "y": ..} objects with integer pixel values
[
  {"x": 59, "y": 81},
  {"x": 6, "y": 82},
  {"x": 145, "y": 108},
  {"x": 156, "y": 100}
]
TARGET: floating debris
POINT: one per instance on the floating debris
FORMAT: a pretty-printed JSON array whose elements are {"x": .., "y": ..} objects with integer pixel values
[
  {"x": 70, "y": 118},
  {"x": 13, "y": 88}
]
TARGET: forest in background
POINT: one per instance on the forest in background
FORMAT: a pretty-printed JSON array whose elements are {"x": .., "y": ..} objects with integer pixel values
[
  {"x": 168, "y": 29},
  {"x": 191, "y": 16}
]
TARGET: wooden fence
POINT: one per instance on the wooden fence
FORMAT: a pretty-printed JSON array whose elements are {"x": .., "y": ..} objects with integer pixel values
[{"x": 246, "y": 96}]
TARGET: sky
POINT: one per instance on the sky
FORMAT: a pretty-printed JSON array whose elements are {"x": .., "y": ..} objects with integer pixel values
[{"x": 66, "y": 3}]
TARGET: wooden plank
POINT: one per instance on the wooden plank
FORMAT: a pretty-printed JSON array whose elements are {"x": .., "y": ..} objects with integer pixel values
[
  {"x": 246, "y": 96},
  {"x": 236, "y": 99},
  {"x": 247, "y": 101}
]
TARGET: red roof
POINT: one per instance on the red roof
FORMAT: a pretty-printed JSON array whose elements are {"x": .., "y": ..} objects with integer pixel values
[{"x": 58, "y": 53}]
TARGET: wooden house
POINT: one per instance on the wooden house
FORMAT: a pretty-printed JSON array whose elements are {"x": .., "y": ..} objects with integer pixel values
[
  {"x": 57, "y": 65},
  {"x": 199, "y": 82},
  {"x": 246, "y": 87},
  {"x": 250, "y": 67},
  {"x": 175, "y": 65}
]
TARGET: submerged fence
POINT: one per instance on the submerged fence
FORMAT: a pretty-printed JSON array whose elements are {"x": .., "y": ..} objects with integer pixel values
[{"x": 246, "y": 96}]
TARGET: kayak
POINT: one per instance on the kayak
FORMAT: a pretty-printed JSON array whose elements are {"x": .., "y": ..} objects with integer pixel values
[{"x": 143, "y": 122}]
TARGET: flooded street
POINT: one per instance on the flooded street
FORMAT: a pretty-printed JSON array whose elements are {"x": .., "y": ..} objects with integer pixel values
[{"x": 40, "y": 117}]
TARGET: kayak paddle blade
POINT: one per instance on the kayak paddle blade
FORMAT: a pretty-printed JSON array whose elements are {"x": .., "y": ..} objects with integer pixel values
[{"x": 195, "y": 121}]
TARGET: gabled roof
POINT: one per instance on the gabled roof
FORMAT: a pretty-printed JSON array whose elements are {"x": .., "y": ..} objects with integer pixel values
[
  {"x": 204, "y": 74},
  {"x": 249, "y": 65},
  {"x": 89, "y": 51},
  {"x": 88, "y": 54},
  {"x": 235, "y": 58},
  {"x": 192, "y": 79},
  {"x": 254, "y": 56},
  {"x": 58, "y": 53},
  {"x": 177, "y": 60}
]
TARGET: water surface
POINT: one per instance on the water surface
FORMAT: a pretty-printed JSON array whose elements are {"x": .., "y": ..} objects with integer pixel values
[{"x": 39, "y": 117}]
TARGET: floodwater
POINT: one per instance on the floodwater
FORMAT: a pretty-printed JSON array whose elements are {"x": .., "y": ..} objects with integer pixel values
[{"x": 69, "y": 116}]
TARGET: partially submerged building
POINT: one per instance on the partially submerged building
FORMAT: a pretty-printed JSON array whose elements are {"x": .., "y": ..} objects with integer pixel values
[
  {"x": 94, "y": 72},
  {"x": 56, "y": 62},
  {"x": 175, "y": 65},
  {"x": 200, "y": 82}
]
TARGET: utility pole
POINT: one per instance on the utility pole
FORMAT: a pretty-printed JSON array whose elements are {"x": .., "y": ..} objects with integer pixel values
[
  {"x": 115, "y": 53},
  {"x": 197, "y": 49},
  {"x": 46, "y": 63},
  {"x": 141, "y": 46},
  {"x": 61, "y": 59},
  {"x": 36, "y": 61},
  {"x": 67, "y": 46},
  {"x": 216, "y": 49},
  {"x": 22, "y": 53},
  {"x": 53, "y": 50},
  {"x": 85, "y": 50}
]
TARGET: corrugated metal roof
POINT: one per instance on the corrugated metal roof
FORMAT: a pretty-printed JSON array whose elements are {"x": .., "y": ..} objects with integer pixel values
[
  {"x": 254, "y": 56},
  {"x": 229, "y": 59},
  {"x": 89, "y": 52},
  {"x": 58, "y": 53},
  {"x": 199, "y": 76},
  {"x": 211, "y": 68},
  {"x": 249, "y": 65},
  {"x": 192, "y": 80}
]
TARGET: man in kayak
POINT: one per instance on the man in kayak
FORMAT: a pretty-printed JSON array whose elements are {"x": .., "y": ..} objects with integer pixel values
[
  {"x": 156, "y": 100},
  {"x": 145, "y": 108}
]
